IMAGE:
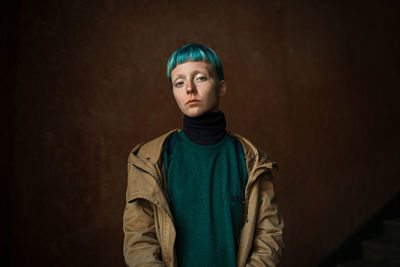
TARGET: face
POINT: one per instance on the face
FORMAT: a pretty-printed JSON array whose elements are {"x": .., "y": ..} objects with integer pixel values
[{"x": 196, "y": 88}]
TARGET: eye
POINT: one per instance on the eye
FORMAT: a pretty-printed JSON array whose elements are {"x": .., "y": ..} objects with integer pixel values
[
  {"x": 201, "y": 78},
  {"x": 178, "y": 84}
]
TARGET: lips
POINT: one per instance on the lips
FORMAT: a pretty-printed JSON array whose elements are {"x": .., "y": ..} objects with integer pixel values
[{"x": 192, "y": 101}]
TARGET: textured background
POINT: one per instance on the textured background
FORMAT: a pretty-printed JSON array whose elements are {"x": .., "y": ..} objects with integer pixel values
[{"x": 314, "y": 83}]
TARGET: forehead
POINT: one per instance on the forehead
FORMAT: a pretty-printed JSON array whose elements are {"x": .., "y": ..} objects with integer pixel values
[{"x": 190, "y": 67}]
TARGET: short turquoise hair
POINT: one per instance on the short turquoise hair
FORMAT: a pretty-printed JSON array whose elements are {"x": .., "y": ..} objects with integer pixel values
[{"x": 195, "y": 52}]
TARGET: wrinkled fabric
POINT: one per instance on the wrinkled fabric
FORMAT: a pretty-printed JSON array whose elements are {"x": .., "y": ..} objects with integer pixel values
[{"x": 149, "y": 225}]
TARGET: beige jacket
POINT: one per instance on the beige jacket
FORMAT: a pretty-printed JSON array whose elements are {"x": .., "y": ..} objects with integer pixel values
[{"x": 149, "y": 225}]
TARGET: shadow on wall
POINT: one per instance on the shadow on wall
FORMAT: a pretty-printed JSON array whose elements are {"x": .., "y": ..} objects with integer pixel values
[{"x": 375, "y": 243}]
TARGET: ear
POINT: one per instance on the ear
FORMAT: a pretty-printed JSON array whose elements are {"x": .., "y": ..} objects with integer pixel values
[{"x": 222, "y": 88}]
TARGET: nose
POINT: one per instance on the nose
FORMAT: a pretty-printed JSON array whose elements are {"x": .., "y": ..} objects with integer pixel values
[{"x": 191, "y": 87}]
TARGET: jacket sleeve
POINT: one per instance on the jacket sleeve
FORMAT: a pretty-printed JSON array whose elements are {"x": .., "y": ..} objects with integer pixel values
[
  {"x": 141, "y": 246},
  {"x": 267, "y": 241}
]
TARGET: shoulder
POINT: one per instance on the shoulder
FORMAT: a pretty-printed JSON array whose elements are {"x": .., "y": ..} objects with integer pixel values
[
  {"x": 253, "y": 153},
  {"x": 151, "y": 150},
  {"x": 248, "y": 146},
  {"x": 232, "y": 139}
]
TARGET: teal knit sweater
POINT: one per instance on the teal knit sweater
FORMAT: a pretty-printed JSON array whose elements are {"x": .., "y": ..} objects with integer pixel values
[{"x": 206, "y": 186}]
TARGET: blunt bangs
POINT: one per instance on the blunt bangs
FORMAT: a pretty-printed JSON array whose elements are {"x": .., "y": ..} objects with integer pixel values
[{"x": 195, "y": 52}]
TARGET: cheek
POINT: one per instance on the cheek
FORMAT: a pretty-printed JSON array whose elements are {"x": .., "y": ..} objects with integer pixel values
[
  {"x": 178, "y": 98},
  {"x": 212, "y": 95}
]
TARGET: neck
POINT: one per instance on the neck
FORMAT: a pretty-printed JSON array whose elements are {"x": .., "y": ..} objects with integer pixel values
[{"x": 207, "y": 129}]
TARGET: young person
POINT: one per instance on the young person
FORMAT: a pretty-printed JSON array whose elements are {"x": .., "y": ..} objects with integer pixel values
[{"x": 200, "y": 196}]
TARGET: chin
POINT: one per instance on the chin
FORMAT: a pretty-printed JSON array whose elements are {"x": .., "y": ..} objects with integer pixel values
[{"x": 193, "y": 114}]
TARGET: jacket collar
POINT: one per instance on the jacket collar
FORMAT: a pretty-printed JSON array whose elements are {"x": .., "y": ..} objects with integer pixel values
[
  {"x": 150, "y": 154},
  {"x": 257, "y": 161},
  {"x": 148, "y": 158}
]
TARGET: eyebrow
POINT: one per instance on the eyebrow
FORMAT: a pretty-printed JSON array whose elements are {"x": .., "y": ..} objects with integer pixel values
[{"x": 179, "y": 76}]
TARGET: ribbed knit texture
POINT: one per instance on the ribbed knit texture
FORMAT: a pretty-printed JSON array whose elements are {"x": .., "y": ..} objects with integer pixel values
[
  {"x": 207, "y": 129},
  {"x": 206, "y": 188}
]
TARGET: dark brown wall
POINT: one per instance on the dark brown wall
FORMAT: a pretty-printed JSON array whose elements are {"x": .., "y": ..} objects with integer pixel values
[
  {"x": 314, "y": 83},
  {"x": 8, "y": 51}
]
